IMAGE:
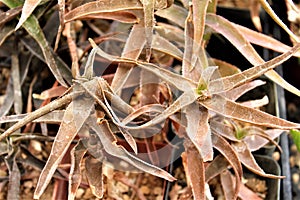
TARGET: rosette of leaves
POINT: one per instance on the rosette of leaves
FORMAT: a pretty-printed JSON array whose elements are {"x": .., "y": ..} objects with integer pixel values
[{"x": 206, "y": 100}]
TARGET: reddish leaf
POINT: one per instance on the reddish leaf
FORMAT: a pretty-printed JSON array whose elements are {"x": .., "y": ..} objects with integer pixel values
[
  {"x": 228, "y": 152},
  {"x": 248, "y": 160},
  {"x": 94, "y": 175},
  {"x": 75, "y": 175}
]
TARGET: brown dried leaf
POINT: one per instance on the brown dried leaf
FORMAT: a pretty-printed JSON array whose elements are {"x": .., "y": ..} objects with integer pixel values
[
  {"x": 94, "y": 175},
  {"x": 14, "y": 177},
  {"x": 194, "y": 170},
  {"x": 121, "y": 16},
  {"x": 248, "y": 160},
  {"x": 226, "y": 28},
  {"x": 75, "y": 175},
  {"x": 198, "y": 130},
  {"x": 216, "y": 167},
  {"x": 237, "y": 92},
  {"x": 133, "y": 47},
  {"x": 104, "y": 6},
  {"x": 229, "y": 153},
  {"x": 228, "y": 185},
  {"x": 235, "y": 80},
  {"x": 234, "y": 110},
  {"x": 109, "y": 143},
  {"x": 75, "y": 115},
  {"x": 174, "y": 13}
]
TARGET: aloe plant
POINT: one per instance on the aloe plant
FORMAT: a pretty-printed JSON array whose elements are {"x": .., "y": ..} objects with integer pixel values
[{"x": 200, "y": 102}]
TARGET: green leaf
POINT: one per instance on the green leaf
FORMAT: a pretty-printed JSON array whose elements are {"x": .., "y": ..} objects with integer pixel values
[{"x": 296, "y": 137}]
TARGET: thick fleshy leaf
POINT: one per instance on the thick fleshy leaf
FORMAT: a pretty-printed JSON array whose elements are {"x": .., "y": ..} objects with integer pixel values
[
  {"x": 109, "y": 143},
  {"x": 174, "y": 13},
  {"x": 237, "y": 92},
  {"x": 157, "y": 108},
  {"x": 227, "y": 29},
  {"x": 106, "y": 106},
  {"x": 184, "y": 84},
  {"x": 234, "y": 110},
  {"x": 104, "y": 6},
  {"x": 121, "y": 16},
  {"x": 75, "y": 176},
  {"x": 28, "y": 8},
  {"x": 18, "y": 103},
  {"x": 229, "y": 153},
  {"x": 75, "y": 115},
  {"x": 254, "y": 12},
  {"x": 51, "y": 93},
  {"x": 246, "y": 193},
  {"x": 258, "y": 103},
  {"x": 256, "y": 141},
  {"x": 161, "y": 44},
  {"x": 235, "y": 80},
  {"x": 194, "y": 169},
  {"x": 263, "y": 40},
  {"x": 52, "y": 117},
  {"x": 198, "y": 130},
  {"x": 148, "y": 7},
  {"x": 228, "y": 185},
  {"x": 248, "y": 160},
  {"x": 216, "y": 167},
  {"x": 133, "y": 47},
  {"x": 94, "y": 175}
]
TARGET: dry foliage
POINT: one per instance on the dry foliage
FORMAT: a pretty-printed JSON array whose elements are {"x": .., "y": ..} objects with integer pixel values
[{"x": 102, "y": 121}]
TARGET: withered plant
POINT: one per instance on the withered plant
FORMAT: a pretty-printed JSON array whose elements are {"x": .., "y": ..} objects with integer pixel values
[{"x": 141, "y": 43}]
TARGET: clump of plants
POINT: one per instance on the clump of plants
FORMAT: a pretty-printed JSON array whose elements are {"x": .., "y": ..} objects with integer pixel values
[{"x": 132, "y": 74}]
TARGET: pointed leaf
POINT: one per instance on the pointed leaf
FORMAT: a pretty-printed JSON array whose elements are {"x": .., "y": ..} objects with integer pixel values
[
  {"x": 237, "y": 92},
  {"x": 75, "y": 176},
  {"x": 40, "y": 112},
  {"x": 103, "y": 6},
  {"x": 194, "y": 170},
  {"x": 235, "y": 80},
  {"x": 9, "y": 15},
  {"x": 248, "y": 160},
  {"x": 109, "y": 143},
  {"x": 198, "y": 130},
  {"x": 272, "y": 14},
  {"x": 32, "y": 26},
  {"x": 132, "y": 49},
  {"x": 75, "y": 115},
  {"x": 94, "y": 175},
  {"x": 216, "y": 167},
  {"x": 228, "y": 152},
  {"x": 227, "y": 183},
  {"x": 234, "y": 110},
  {"x": 227, "y": 29},
  {"x": 28, "y": 8},
  {"x": 263, "y": 40}
]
